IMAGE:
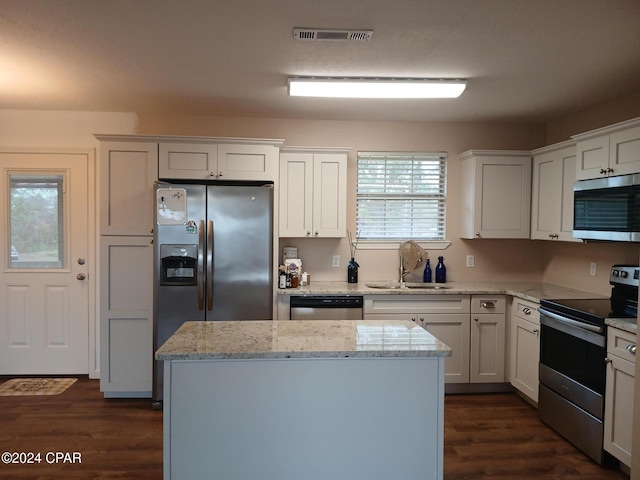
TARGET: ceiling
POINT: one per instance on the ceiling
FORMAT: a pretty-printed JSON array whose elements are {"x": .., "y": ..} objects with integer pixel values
[{"x": 525, "y": 60}]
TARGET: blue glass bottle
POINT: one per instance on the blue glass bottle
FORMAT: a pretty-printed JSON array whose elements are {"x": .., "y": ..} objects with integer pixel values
[
  {"x": 426, "y": 276},
  {"x": 352, "y": 271},
  {"x": 441, "y": 271}
]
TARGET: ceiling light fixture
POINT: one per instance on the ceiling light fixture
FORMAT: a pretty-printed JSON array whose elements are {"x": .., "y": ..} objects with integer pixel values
[{"x": 375, "y": 87}]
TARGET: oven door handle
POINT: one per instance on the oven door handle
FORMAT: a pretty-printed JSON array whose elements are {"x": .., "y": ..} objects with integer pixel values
[{"x": 568, "y": 321}]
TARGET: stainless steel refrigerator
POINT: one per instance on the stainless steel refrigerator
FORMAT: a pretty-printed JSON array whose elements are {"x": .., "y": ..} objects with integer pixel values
[{"x": 213, "y": 257}]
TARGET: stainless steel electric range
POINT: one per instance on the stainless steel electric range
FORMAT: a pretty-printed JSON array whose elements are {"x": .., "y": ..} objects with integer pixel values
[{"x": 573, "y": 360}]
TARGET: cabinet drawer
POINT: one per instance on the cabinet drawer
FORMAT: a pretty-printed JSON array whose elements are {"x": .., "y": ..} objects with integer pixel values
[
  {"x": 488, "y": 304},
  {"x": 526, "y": 310},
  {"x": 416, "y": 303},
  {"x": 618, "y": 342}
]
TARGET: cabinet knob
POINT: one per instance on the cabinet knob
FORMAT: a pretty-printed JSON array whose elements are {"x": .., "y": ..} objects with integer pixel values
[
  {"x": 602, "y": 171},
  {"x": 212, "y": 174},
  {"x": 631, "y": 348},
  {"x": 535, "y": 330},
  {"x": 526, "y": 311},
  {"x": 488, "y": 304},
  {"x": 316, "y": 234},
  {"x": 607, "y": 360},
  {"x": 81, "y": 276},
  {"x": 476, "y": 319},
  {"x": 477, "y": 234},
  {"x": 308, "y": 233},
  {"x": 609, "y": 170},
  {"x": 220, "y": 174}
]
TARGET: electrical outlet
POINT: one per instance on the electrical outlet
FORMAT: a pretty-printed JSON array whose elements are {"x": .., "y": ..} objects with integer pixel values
[
  {"x": 471, "y": 261},
  {"x": 336, "y": 261},
  {"x": 592, "y": 269}
]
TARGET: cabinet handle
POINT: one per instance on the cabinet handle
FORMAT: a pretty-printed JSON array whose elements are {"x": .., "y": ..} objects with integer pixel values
[
  {"x": 488, "y": 304},
  {"x": 631, "y": 348}
]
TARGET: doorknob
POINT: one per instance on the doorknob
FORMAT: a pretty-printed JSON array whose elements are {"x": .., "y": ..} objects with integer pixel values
[
  {"x": 81, "y": 261},
  {"x": 81, "y": 276}
]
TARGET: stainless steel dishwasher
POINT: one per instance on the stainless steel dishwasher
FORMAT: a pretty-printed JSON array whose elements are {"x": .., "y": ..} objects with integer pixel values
[{"x": 326, "y": 307}]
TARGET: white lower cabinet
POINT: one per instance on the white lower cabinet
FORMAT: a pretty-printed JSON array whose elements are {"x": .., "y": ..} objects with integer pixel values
[
  {"x": 126, "y": 316},
  {"x": 524, "y": 347},
  {"x": 487, "y": 339},
  {"x": 472, "y": 326},
  {"x": 618, "y": 409}
]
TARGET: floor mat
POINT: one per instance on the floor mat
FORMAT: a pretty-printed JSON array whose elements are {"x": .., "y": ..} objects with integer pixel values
[{"x": 35, "y": 386}]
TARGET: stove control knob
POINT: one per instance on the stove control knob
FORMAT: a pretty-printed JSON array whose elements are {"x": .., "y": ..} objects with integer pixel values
[{"x": 623, "y": 274}]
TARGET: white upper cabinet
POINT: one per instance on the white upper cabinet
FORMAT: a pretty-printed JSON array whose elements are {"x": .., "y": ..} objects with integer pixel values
[
  {"x": 554, "y": 171},
  {"x": 608, "y": 151},
  {"x": 223, "y": 161},
  {"x": 128, "y": 172},
  {"x": 313, "y": 192},
  {"x": 496, "y": 194}
]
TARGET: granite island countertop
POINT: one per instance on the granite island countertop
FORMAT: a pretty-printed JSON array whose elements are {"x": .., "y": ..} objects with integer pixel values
[
  {"x": 533, "y": 291},
  {"x": 268, "y": 339}
]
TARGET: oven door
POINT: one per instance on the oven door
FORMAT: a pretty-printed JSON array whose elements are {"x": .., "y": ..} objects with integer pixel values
[{"x": 572, "y": 361}]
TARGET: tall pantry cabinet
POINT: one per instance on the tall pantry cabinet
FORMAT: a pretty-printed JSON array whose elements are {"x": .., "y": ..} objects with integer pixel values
[{"x": 128, "y": 172}]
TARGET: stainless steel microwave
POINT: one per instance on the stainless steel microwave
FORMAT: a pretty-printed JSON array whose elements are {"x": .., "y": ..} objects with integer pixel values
[{"x": 607, "y": 208}]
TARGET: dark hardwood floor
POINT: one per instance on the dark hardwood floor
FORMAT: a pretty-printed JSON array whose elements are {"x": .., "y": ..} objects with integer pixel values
[{"x": 486, "y": 437}]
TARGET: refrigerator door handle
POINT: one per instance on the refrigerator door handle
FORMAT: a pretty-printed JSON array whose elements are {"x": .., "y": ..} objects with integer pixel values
[
  {"x": 201, "y": 265},
  {"x": 210, "y": 265}
]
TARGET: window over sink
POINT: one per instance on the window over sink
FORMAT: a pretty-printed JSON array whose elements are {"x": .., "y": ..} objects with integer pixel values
[{"x": 401, "y": 195}]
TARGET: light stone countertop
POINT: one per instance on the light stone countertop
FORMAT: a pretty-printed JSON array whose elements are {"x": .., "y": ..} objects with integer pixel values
[
  {"x": 533, "y": 291},
  {"x": 629, "y": 325},
  {"x": 268, "y": 339}
]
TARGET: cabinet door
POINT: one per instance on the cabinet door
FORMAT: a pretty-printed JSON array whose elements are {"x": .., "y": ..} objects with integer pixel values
[
  {"x": 618, "y": 408},
  {"x": 592, "y": 156},
  {"x": 247, "y": 162},
  {"x": 329, "y": 195},
  {"x": 188, "y": 161},
  {"x": 126, "y": 316},
  {"x": 624, "y": 151},
  {"x": 546, "y": 197},
  {"x": 453, "y": 331},
  {"x": 296, "y": 194},
  {"x": 128, "y": 172},
  {"x": 552, "y": 195},
  {"x": 497, "y": 196},
  {"x": 568, "y": 159},
  {"x": 525, "y": 356},
  {"x": 487, "y": 348}
]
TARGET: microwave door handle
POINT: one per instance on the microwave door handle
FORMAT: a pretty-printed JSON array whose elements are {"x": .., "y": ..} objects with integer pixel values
[
  {"x": 200, "y": 282},
  {"x": 568, "y": 321},
  {"x": 210, "y": 265}
]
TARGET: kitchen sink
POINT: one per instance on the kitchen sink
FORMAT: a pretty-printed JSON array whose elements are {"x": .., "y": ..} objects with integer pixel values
[{"x": 406, "y": 285}]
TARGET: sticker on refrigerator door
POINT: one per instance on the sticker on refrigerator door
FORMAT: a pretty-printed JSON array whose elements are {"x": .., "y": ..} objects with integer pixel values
[
  {"x": 171, "y": 206},
  {"x": 191, "y": 227}
]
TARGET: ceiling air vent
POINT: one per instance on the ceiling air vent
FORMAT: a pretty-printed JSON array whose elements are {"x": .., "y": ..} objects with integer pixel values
[{"x": 313, "y": 34}]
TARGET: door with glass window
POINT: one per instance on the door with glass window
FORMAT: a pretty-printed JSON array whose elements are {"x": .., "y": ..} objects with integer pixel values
[{"x": 44, "y": 285}]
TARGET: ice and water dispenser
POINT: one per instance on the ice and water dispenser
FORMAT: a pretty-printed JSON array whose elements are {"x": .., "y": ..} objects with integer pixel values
[{"x": 178, "y": 265}]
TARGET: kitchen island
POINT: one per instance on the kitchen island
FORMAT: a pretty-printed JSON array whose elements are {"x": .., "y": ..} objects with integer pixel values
[{"x": 311, "y": 400}]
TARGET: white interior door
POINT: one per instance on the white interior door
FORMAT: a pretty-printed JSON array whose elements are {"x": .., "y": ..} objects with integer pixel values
[{"x": 44, "y": 281}]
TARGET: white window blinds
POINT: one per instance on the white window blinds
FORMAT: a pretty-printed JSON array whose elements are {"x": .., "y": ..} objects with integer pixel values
[{"x": 401, "y": 196}]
